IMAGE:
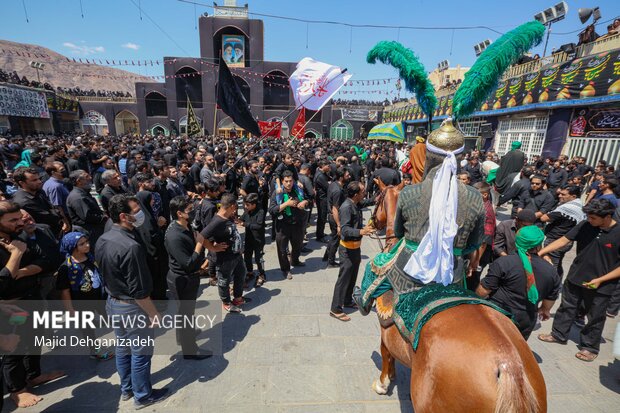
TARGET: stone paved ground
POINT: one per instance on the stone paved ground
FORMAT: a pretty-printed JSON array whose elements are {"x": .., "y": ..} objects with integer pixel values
[{"x": 285, "y": 354}]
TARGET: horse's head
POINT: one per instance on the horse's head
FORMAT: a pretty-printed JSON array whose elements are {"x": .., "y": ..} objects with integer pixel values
[{"x": 385, "y": 211}]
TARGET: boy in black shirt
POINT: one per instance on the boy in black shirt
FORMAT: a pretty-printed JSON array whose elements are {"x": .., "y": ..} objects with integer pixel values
[
  {"x": 591, "y": 279},
  {"x": 254, "y": 223},
  {"x": 224, "y": 239}
]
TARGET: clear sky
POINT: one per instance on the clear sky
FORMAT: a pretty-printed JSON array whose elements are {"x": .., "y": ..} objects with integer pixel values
[{"x": 112, "y": 29}]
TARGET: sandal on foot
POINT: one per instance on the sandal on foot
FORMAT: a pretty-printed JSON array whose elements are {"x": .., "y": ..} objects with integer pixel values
[
  {"x": 548, "y": 338},
  {"x": 340, "y": 316},
  {"x": 585, "y": 355}
]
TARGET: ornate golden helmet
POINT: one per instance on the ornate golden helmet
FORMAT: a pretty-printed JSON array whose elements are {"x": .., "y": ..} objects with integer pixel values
[{"x": 447, "y": 137}]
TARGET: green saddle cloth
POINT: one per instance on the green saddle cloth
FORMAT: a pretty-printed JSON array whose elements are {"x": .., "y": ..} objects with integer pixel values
[{"x": 413, "y": 310}]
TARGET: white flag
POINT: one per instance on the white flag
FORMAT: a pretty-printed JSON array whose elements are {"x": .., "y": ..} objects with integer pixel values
[{"x": 314, "y": 83}]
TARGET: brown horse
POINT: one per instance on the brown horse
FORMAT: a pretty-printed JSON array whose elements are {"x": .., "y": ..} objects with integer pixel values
[
  {"x": 385, "y": 211},
  {"x": 470, "y": 358}
]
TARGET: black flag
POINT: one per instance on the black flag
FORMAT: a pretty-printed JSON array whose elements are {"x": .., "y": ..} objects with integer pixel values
[{"x": 231, "y": 101}]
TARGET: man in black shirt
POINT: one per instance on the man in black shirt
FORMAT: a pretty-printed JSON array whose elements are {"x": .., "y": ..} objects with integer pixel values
[
  {"x": 598, "y": 257},
  {"x": 185, "y": 260},
  {"x": 335, "y": 197},
  {"x": 386, "y": 174},
  {"x": 557, "y": 178},
  {"x": 321, "y": 185},
  {"x": 254, "y": 222},
  {"x": 251, "y": 181},
  {"x": 288, "y": 210},
  {"x": 30, "y": 197},
  {"x": 83, "y": 209},
  {"x": 221, "y": 236},
  {"x": 561, "y": 220},
  {"x": 540, "y": 200},
  {"x": 473, "y": 169},
  {"x": 19, "y": 265},
  {"x": 113, "y": 186},
  {"x": 518, "y": 193},
  {"x": 351, "y": 233},
  {"x": 506, "y": 283},
  {"x": 194, "y": 170},
  {"x": 128, "y": 282},
  {"x": 506, "y": 231}
]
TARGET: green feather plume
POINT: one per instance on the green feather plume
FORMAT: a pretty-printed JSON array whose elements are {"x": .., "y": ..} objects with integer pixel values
[
  {"x": 482, "y": 78},
  {"x": 410, "y": 69}
]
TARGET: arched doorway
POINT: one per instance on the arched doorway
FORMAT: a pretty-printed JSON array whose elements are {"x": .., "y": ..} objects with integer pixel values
[
  {"x": 183, "y": 124},
  {"x": 313, "y": 133},
  {"x": 341, "y": 130},
  {"x": 365, "y": 129},
  {"x": 188, "y": 82},
  {"x": 229, "y": 129},
  {"x": 155, "y": 104},
  {"x": 159, "y": 130},
  {"x": 126, "y": 122},
  {"x": 275, "y": 90},
  {"x": 94, "y": 123},
  {"x": 285, "y": 132}
]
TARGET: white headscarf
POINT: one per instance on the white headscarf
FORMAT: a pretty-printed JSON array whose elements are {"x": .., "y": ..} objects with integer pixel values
[{"x": 434, "y": 258}]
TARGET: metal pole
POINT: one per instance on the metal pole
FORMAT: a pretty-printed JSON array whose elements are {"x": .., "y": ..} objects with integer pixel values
[
  {"x": 38, "y": 77},
  {"x": 547, "y": 41}
]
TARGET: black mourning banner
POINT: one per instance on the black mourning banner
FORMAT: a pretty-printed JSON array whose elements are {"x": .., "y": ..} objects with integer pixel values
[
  {"x": 231, "y": 101},
  {"x": 596, "y": 123}
]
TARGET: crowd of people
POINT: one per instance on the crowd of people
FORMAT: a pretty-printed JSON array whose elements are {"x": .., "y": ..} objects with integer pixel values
[
  {"x": 117, "y": 224},
  {"x": 14, "y": 78}
]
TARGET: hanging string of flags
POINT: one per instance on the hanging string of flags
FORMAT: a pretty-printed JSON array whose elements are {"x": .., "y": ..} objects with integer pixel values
[{"x": 130, "y": 62}]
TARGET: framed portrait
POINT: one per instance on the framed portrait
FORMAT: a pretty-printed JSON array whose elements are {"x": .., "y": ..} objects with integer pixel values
[{"x": 233, "y": 50}]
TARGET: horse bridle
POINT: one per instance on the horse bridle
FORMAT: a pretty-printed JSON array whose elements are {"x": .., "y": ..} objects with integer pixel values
[{"x": 373, "y": 217}]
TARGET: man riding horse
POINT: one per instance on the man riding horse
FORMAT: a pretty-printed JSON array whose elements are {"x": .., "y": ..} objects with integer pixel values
[{"x": 439, "y": 222}]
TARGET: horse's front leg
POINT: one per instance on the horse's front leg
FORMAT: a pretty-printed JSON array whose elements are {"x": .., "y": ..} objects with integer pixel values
[{"x": 388, "y": 371}]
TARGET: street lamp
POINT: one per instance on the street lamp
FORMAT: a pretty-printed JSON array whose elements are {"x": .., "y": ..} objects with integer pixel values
[
  {"x": 480, "y": 47},
  {"x": 551, "y": 15},
  {"x": 37, "y": 66}
]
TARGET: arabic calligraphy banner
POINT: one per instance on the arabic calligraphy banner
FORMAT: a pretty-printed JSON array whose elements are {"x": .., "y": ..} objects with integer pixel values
[
  {"x": 16, "y": 101},
  {"x": 57, "y": 103},
  {"x": 596, "y": 123},
  {"x": 359, "y": 114},
  {"x": 591, "y": 79}
]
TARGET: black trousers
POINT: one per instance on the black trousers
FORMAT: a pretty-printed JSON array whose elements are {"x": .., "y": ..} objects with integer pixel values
[
  {"x": 614, "y": 302},
  {"x": 321, "y": 217},
  {"x": 486, "y": 259},
  {"x": 253, "y": 248},
  {"x": 158, "y": 266},
  {"x": 184, "y": 289},
  {"x": 557, "y": 256},
  {"x": 334, "y": 240},
  {"x": 285, "y": 234},
  {"x": 595, "y": 306},
  {"x": 347, "y": 276}
]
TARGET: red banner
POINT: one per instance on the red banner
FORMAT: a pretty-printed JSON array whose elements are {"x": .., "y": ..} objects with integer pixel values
[
  {"x": 299, "y": 129},
  {"x": 273, "y": 128}
]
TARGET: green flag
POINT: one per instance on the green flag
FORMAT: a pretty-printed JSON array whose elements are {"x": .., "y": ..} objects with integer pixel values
[{"x": 193, "y": 127}]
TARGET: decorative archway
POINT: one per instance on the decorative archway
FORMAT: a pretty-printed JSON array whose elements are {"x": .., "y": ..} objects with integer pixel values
[
  {"x": 95, "y": 123},
  {"x": 341, "y": 130},
  {"x": 183, "y": 124},
  {"x": 365, "y": 129},
  {"x": 313, "y": 133},
  {"x": 188, "y": 82},
  {"x": 159, "y": 129},
  {"x": 126, "y": 122},
  {"x": 229, "y": 129},
  {"x": 285, "y": 133},
  {"x": 155, "y": 104},
  {"x": 275, "y": 90}
]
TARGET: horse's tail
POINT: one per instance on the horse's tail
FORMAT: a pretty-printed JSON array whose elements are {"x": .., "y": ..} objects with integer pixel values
[{"x": 515, "y": 393}]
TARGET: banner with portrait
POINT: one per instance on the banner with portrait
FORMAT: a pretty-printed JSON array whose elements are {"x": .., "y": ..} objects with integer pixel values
[
  {"x": 26, "y": 103},
  {"x": 233, "y": 50}
]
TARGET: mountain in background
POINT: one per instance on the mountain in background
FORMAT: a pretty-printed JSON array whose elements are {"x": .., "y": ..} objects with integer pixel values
[{"x": 61, "y": 72}]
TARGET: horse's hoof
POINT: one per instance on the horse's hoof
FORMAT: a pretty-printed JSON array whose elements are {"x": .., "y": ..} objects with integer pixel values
[{"x": 379, "y": 388}]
